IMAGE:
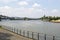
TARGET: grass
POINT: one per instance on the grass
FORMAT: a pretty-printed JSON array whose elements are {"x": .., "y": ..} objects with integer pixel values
[{"x": 0, "y": 27}]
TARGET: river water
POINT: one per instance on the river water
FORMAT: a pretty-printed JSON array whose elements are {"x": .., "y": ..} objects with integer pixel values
[{"x": 35, "y": 26}]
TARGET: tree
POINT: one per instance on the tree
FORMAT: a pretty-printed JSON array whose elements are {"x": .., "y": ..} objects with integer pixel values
[
  {"x": 25, "y": 18},
  {"x": 0, "y": 18}
]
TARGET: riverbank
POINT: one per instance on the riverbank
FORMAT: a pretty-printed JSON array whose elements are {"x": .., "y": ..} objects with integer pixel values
[
  {"x": 55, "y": 21},
  {"x": 7, "y": 35}
]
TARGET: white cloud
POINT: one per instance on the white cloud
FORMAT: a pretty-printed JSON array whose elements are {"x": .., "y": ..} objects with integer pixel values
[
  {"x": 7, "y": 1},
  {"x": 36, "y": 10},
  {"x": 6, "y": 7},
  {"x": 27, "y": 0},
  {"x": 36, "y": 5},
  {"x": 22, "y": 3},
  {"x": 6, "y": 10},
  {"x": 21, "y": 12},
  {"x": 54, "y": 11}
]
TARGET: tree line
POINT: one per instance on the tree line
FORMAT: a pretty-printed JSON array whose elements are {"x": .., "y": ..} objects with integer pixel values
[{"x": 49, "y": 18}]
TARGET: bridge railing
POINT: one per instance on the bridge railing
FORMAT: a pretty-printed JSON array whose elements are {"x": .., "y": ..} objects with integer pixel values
[{"x": 30, "y": 34}]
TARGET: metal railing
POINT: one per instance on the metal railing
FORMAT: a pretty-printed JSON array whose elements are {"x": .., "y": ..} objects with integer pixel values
[{"x": 29, "y": 34}]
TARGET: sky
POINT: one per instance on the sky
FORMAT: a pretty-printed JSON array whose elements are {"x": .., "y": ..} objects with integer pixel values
[{"x": 30, "y": 8}]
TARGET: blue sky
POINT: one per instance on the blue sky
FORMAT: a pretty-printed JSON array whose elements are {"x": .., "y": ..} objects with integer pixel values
[{"x": 30, "y": 8}]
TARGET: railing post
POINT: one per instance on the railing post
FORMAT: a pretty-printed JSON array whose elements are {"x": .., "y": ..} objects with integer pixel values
[
  {"x": 28, "y": 34},
  {"x": 53, "y": 37},
  {"x": 38, "y": 36},
  {"x": 14, "y": 29},
  {"x": 24, "y": 33},
  {"x": 17, "y": 31},
  {"x": 45, "y": 36},
  {"x": 20, "y": 32},
  {"x": 11, "y": 28},
  {"x": 32, "y": 35}
]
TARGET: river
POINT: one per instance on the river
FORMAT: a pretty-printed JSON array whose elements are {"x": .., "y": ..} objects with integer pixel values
[{"x": 35, "y": 26}]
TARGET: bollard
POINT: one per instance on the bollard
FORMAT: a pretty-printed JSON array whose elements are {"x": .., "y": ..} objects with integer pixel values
[
  {"x": 28, "y": 34},
  {"x": 11, "y": 28},
  {"x": 20, "y": 32},
  {"x": 38, "y": 36},
  {"x": 32, "y": 35},
  {"x": 14, "y": 29},
  {"x": 24, "y": 33},
  {"x": 45, "y": 36},
  {"x": 53, "y": 37},
  {"x": 17, "y": 31}
]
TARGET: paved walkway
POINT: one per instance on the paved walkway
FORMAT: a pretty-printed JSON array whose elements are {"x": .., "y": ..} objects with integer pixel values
[{"x": 7, "y": 35}]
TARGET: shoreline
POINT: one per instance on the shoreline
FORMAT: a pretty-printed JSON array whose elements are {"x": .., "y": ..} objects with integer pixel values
[{"x": 55, "y": 21}]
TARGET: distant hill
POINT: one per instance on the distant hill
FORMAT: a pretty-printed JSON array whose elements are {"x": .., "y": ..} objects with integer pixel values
[{"x": 3, "y": 17}]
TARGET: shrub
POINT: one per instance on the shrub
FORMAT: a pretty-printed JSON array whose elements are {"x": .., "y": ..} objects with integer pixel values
[{"x": 0, "y": 26}]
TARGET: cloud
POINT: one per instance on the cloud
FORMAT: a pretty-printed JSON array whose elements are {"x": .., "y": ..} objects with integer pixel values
[
  {"x": 6, "y": 7},
  {"x": 6, "y": 10},
  {"x": 22, "y": 3},
  {"x": 54, "y": 11},
  {"x": 36, "y": 5},
  {"x": 7, "y": 1},
  {"x": 26, "y": 0},
  {"x": 26, "y": 8},
  {"x": 21, "y": 12}
]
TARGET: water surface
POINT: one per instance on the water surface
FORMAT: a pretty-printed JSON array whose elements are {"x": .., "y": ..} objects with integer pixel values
[{"x": 35, "y": 26}]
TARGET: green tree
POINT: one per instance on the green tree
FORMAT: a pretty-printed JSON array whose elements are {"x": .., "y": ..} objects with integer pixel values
[{"x": 0, "y": 18}]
